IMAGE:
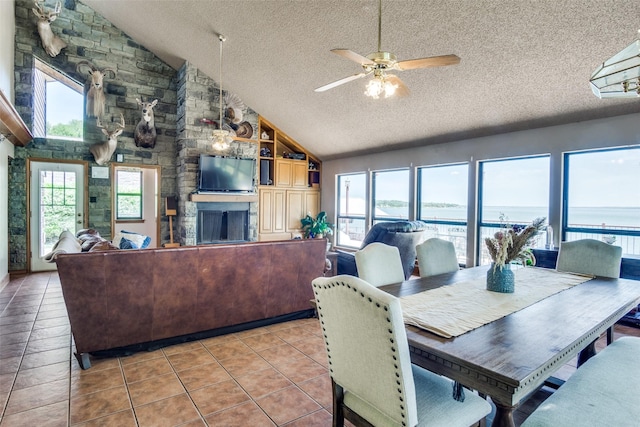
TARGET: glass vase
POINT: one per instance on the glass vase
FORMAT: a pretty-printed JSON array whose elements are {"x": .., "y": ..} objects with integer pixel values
[{"x": 500, "y": 279}]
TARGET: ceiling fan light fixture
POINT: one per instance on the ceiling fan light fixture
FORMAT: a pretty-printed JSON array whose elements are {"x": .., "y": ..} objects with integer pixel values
[{"x": 378, "y": 86}]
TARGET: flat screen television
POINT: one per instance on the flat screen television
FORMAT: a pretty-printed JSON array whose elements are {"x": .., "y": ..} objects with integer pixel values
[{"x": 226, "y": 174}]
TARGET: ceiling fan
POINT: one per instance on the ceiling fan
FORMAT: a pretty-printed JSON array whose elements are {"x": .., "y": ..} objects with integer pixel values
[{"x": 380, "y": 63}]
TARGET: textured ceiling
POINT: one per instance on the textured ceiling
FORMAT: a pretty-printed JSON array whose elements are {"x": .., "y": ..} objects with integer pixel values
[{"x": 525, "y": 64}]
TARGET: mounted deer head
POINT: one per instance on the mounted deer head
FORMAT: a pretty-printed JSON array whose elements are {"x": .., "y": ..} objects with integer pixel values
[
  {"x": 51, "y": 43},
  {"x": 145, "y": 133},
  {"x": 95, "y": 94},
  {"x": 103, "y": 151}
]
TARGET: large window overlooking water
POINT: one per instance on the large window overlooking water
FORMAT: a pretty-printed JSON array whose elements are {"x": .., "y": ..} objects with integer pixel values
[
  {"x": 442, "y": 203},
  {"x": 391, "y": 195},
  {"x": 602, "y": 197},
  {"x": 352, "y": 209},
  {"x": 512, "y": 192}
]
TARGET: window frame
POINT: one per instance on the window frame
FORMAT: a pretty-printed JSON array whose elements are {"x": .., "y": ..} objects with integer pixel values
[
  {"x": 480, "y": 195},
  {"x": 465, "y": 223},
  {"x": 374, "y": 174},
  {"x": 339, "y": 216},
  {"x": 118, "y": 194},
  {"x": 565, "y": 197}
]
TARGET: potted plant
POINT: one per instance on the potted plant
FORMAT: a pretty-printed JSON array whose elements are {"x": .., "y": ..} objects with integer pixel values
[{"x": 316, "y": 228}]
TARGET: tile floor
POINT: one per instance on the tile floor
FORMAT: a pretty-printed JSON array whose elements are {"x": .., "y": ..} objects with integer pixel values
[{"x": 271, "y": 376}]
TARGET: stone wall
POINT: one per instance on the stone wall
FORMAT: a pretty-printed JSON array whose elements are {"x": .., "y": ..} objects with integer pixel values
[
  {"x": 140, "y": 74},
  {"x": 184, "y": 98},
  {"x": 197, "y": 100}
]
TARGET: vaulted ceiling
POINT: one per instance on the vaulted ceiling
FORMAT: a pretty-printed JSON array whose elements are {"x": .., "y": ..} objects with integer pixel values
[{"x": 525, "y": 64}]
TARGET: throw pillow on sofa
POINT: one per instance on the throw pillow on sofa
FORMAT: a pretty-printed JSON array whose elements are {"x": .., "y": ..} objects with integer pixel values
[{"x": 130, "y": 240}]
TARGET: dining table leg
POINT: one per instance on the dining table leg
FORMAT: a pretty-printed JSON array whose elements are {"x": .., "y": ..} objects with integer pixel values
[
  {"x": 503, "y": 416},
  {"x": 586, "y": 353}
]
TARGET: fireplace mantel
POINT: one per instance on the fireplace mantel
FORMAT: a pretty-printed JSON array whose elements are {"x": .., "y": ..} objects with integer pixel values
[{"x": 11, "y": 124}]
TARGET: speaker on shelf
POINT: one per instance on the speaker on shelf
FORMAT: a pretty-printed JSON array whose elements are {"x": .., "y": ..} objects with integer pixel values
[
  {"x": 170, "y": 206},
  {"x": 265, "y": 172}
]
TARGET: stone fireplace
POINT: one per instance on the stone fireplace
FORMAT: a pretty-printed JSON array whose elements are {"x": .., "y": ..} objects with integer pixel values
[{"x": 218, "y": 218}]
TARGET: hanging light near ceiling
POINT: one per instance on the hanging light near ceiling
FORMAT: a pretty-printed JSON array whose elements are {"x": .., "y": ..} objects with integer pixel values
[
  {"x": 221, "y": 137},
  {"x": 380, "y": 84},
  {"x": 619, "y": 76}
]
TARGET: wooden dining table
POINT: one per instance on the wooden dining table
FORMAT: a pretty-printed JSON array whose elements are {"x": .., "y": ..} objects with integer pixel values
[{"x": 510, "y": 358}]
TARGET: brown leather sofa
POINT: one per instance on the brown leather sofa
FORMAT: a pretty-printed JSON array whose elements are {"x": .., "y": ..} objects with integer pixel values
[{"x": 122, "y": 298}]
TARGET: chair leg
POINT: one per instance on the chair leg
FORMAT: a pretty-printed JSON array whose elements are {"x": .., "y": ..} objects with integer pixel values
[
  {"x": 338, "y": 396},
  {"x": 610, "y": 335}
]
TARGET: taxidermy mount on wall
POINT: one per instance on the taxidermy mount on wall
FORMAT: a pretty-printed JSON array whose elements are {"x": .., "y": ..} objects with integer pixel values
[
  {"x": 103, "y": 151},
  {"x": 145, "y": 133},
  {"x": 51, "y": 43},
  {"x": 95, "y": 94}
]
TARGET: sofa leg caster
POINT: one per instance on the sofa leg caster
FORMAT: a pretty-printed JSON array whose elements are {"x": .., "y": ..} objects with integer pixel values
[{"x": 83, "y": 360}]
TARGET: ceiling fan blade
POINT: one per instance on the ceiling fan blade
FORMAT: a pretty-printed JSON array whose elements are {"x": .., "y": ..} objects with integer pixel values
[
  {"x": 340, "y": 82},
  {"x": 433, "y": 61},
  {"x": 351, "y": 55},
  {"x": 402, "y": 89}
]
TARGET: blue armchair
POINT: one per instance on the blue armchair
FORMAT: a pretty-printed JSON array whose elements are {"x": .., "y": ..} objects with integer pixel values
[{"x": 404, "y": 235}]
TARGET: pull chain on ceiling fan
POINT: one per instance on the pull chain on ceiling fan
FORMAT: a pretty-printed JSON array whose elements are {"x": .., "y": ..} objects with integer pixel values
[{"x": 380, "y": 63}]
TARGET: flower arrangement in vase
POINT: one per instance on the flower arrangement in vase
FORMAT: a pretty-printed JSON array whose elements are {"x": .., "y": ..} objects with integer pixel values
[{"x": 508, "y": 244}]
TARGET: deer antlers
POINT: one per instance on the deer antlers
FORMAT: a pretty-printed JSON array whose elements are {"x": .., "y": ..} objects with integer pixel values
[
  {"x": 51, "y": 43},
  {"x": 103, "y": 151}
]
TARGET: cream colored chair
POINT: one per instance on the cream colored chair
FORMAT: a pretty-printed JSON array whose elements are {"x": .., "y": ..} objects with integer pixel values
[
  {"x": 590, "y": 256},
  {"x": 374, "y": 382},
  {"x": 436, "y": 256},
  {"x": 379, "y": 264}
]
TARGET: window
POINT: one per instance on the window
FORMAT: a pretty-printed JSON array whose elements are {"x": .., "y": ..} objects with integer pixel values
[
  {"x": 58, "y": 104},
  {"x": 128, "y": 194},
  {"x": 390, "y": 195},
  {"x": 602, "y": 197},
  {"x": 352, "y": 208},
  {"x": 442, "y": 203},
  {"x": 513, "y": 192}
]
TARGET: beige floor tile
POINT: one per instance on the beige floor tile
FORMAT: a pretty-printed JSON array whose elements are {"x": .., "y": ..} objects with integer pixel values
[
  {"x": 287, "y": 405},
  {"x": 302, "y": 369},
  {"x": 146, "y": 369},
  {"x": 281, "y": 354},
  {"x": 91, "y": 381},
  {"x": 156, "y": 388},
  {"x": 262, "y": 341},
  {"x": 48, "y": 357},
  {"x": 43, "y": 374},
  {"x": 244, "y": 364},
  {"x": 245, "y": 414},
  {"x": 319, "y": 389},
  {"x": 191, "y": 358},
  {"x": 37, "y": 396},
  {"x": 142, "y": 356},
  {"x": 180, "y": 348},
  {"x": 118, "y": 419},
  {"x": 321, "y": 418},
  {"x": 174, "y": 411},
  {"x": 202, "y": 376},
  {"x": 99, "y": 404},
  {"x": 229, "y": 349},
  {"x": 218, "y": 397},
  {"x": 294, "y": 334},
  {"x": 54, "y": 415},
  {"x": 261, "y": 383}
]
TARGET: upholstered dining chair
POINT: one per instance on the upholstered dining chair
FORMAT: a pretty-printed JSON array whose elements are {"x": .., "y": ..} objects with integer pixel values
[
  {"x": 436, "y": 256},
  {"x": 374, "y": 382},
  {"x": 590, "y": 256},
  {"x": 379, "y": 264}
]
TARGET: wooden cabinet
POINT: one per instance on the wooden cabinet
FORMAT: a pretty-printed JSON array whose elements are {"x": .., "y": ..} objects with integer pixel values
[
  {"x": 291, "y": 173},
  {"x": 272, "y": 206},
  {"x": 289, "y": 179}
]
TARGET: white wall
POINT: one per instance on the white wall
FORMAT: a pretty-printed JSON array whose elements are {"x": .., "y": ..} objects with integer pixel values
[
  {"x": 611, "y": 132},
  {"x": 7, "y": 30}
]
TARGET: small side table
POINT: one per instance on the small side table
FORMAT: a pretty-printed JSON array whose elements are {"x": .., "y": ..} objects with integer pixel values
[{"x": 332, "y": 257}]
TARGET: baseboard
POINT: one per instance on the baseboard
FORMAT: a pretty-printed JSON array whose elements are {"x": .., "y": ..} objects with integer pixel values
[{"x": 5, "y": 281}]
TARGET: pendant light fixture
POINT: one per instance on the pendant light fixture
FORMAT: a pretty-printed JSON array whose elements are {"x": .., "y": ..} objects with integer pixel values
[{"x": 221, "y": 137}]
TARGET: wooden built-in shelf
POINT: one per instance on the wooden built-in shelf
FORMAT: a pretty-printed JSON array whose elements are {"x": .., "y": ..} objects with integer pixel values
[{"x": 249, "y": 198}]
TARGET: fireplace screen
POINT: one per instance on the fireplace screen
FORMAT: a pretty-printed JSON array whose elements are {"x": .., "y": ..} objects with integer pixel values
[{"x": 215, "y": 226}]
